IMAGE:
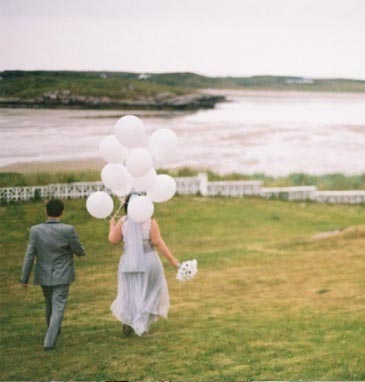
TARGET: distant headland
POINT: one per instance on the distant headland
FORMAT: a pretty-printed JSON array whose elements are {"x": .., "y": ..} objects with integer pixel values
[{"x": 155, "y": 91}]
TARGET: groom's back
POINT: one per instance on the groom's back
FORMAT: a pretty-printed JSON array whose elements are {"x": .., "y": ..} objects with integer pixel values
[
  {"x": 52, "y": 240},
  {"x": 55, "y": 244}
]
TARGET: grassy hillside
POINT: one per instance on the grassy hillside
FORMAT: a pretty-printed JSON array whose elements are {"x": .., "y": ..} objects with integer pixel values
[
  {"x": 269, "y": 301},
  {"x": 285, "y": 83},
  {"x": 123, "y": 86}
]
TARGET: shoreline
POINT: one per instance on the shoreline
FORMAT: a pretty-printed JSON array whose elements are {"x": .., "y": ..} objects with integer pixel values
[
  {"x": 203, "y": 99},
  {"x": 87, "y": 164},
  {"x": 63, "y": 100},
  {"x": 282, "y": 93}
]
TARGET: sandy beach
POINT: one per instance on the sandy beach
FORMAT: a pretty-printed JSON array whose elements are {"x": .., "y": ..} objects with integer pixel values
[{"x": 94, "y": 164}]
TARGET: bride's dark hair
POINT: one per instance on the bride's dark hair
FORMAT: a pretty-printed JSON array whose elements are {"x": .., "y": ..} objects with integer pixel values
[{"x": 127, "y": 201}]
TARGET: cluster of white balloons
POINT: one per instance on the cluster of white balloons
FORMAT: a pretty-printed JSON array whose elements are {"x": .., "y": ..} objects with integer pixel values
[{"x": 131, "y": 156}]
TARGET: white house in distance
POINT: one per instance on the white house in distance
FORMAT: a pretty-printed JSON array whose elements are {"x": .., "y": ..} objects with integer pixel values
[
  {"x": 299, "y": 80},
  {"x": 144, "y": 76}
]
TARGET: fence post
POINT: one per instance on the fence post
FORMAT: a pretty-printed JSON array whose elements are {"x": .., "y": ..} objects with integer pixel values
[{"x": 203, "y": 183}]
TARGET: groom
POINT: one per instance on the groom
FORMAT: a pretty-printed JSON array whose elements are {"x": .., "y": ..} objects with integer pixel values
[{"x": 53, "y": 244}]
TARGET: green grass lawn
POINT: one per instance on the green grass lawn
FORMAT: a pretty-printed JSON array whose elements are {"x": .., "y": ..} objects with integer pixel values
[{"x": 269, "y": 302}]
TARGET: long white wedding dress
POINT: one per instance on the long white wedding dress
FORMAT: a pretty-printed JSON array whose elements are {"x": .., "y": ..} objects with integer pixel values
[{"x": 142, "y": 289}]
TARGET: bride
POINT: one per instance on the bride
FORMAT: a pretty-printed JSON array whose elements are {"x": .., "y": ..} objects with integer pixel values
[{"x": 142, "y": 289}]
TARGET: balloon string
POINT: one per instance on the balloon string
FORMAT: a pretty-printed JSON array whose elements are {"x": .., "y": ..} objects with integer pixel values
[{"x": 122, "y": 201}]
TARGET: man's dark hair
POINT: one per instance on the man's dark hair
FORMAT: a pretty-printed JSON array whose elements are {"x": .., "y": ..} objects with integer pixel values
[{"x": 55, "y": 208}]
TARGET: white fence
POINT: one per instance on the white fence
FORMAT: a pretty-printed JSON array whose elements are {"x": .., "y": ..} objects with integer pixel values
[
  {"x": 60, "y": 191},
  {"x": 191, "y": 186},
  {"x": 346, "y": 197},
  {"x": 234, "y": 188},
  {"x": 290, "y": 193}
]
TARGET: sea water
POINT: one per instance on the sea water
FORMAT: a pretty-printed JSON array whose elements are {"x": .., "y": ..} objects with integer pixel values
[{"x": 253, "y": 132}]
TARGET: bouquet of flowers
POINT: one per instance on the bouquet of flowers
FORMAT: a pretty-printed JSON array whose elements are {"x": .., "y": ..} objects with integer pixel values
[{"x": 187, "y": 270}]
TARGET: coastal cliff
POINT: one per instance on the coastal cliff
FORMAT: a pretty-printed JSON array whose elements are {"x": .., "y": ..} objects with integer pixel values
[
  {"x": 99, "y": 90},
  {"x": 65, "y": 99}
]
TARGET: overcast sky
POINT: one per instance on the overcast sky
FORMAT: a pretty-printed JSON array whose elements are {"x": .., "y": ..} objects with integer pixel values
[{"x": 314, "y": 38}]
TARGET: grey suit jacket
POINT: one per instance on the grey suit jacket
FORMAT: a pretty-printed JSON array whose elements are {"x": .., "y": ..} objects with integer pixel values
[{"x": 52, "y": 244}]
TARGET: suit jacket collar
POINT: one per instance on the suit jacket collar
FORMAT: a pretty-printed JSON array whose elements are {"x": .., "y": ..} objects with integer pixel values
[{"x": 52, "y": 221}]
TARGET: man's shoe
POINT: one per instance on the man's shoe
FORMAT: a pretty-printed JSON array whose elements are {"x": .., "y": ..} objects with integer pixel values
[
  {"x": 48, "y": 348},
  {"x": 127, "y": 330}
]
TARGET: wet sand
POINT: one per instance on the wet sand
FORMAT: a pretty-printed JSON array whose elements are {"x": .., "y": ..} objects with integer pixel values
[{"x": 93, "y": 164}]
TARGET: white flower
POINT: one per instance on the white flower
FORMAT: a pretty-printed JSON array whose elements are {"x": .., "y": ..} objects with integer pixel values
[{"x": 187, "y": 270}]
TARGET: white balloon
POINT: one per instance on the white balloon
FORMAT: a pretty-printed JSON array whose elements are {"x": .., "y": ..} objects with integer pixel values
[
  {"x": 130, "y": 131},
  {"x": 140, "y": 209},
  {"x": 111, "y": 150},
  {"x": 143, "y": 183},
  {"x": 115, "y": 176},
  {"x": 99, "y": 204},
  {"x": 125, "y": 190},
  {"x": 139, "y": 161},
  {"x": 146, "y": 142},
  {"x": 163, "y": 144},
  {"x": 163, "y": 189}
]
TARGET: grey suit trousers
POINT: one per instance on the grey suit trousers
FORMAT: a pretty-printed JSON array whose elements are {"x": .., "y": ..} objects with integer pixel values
[{"x": 56, "y": 298}]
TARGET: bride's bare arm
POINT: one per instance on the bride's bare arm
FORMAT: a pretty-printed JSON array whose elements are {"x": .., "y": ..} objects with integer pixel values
[
  {"x": 160, "y": 245},
  {"x": 115, "y": 231}
]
